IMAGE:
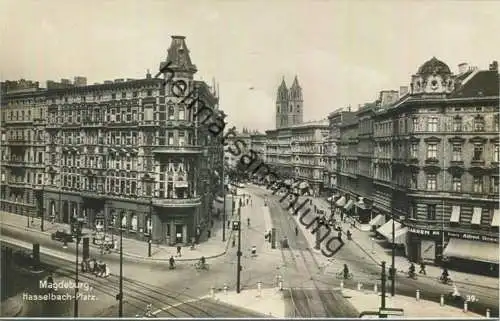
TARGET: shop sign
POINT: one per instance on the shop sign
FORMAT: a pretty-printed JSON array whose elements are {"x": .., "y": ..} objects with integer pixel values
[
  {"x": 473, "y": 237},
  {"x": 423, "y": 232}
]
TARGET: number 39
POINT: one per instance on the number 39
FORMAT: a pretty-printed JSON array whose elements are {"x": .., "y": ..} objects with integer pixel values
[{"x": 471, "y": 298}]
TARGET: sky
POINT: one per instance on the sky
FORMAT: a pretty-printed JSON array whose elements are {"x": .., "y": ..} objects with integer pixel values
[{"x": 343, "y": 52}]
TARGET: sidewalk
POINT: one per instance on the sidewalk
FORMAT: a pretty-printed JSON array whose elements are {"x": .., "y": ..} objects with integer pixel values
[
  {"x": 375, "y": 250},
  {"x": 369, "y": 301},
  {"x": 212, "y": 248},
  {"x": 269, "y": 302}
]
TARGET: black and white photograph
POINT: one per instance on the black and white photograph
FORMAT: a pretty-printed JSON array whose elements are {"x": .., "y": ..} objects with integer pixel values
[{"x": 249, "y": 159}]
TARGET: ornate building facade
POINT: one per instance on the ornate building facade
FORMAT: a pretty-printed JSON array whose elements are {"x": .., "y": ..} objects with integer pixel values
[
  {"x": 127, "y": 154},
  {"x": 435, "y": 164}
]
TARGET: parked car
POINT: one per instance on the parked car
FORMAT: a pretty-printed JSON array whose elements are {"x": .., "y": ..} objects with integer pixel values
[{"x": 62, "y": 235}]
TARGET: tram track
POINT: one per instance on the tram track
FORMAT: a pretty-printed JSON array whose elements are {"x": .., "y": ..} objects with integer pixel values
[{"x": 137, "y": 294}]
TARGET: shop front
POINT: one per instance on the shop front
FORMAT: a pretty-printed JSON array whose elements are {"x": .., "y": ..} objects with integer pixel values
[
  {"x": 472, "y": 253},
  {"x": 424, "y": 245},
  {"x": 363, "y": 210}
]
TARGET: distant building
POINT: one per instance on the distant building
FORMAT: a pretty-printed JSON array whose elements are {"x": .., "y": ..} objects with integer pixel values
[
  {"x": 289, "y": 105},
  {"x": 296, "y": 154}
]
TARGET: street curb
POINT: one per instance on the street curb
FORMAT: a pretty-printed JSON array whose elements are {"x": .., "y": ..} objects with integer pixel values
[{"x": 133, "y": 255}]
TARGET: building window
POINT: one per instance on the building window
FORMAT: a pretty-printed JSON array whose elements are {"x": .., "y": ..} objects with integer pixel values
[
  {"x": 431, "y": 212},
  {"x": 457, "y": 124},
  {"x": 479, "y": 124},
  {"x": 113, "y": 96},
  {"x": 496, "y": 153},
  {"x": 171, "y": 138},
  {"x": 431, "y": 182},
  {"x": 432, "y": 124},
  {"x": 457, "y": 184},
  {"x": 496, "y": 123},
  {"x": 456, "y": 152},
  {"x": 414, "y": 150},
  {"x": 432, "y": 151},
  {"x": 150, "y": 93},
  {"x": 124, "y": 95},
  {"x": 478, "y": 152},
  {"x": 494, "y": 184},
  {"x": 477, "y": 184},
  {"x": 171, "y": 113},
  {"x": 182, "y": 113},
  {"x": 414, "y": 181}
]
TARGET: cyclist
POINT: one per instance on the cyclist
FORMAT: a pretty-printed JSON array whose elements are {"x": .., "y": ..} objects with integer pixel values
[
  {"x": 445, "y": 275},
  {"x": 202, "y": 262},
  {"x": 411, "y": 270}
]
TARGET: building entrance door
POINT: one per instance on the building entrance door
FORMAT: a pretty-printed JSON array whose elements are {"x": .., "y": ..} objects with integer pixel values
[{"x": 178, "y": 233}]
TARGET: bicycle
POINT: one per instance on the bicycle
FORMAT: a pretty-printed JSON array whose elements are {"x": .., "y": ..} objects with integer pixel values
[
  {"x": 340, "y": 275},
  {"x": 200, "y": 266}
]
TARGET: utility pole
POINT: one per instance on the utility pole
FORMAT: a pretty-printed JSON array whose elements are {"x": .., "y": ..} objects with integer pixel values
[
  {"x": 42, "y": 205},
  {"x": 238, "y": 265},
  {"x": 393, "y": 254},
  {"x": 382, "y": 303},
  {"x": 78, "y": 232},
  {"x": 119, "y": 297},
  {"x": 224, "y": 196},
  {"x": 148, "y": 227}
]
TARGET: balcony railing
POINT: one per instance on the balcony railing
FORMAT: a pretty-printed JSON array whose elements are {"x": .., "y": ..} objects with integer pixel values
[
  {"x": 432, "y": 161},
  {"x": 178, "y": 149},
  {"x": 477, "y": 162},
  {"x": 177, "y": 202}
]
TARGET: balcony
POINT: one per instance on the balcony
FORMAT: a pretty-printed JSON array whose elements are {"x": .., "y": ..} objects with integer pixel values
[
  {"x": 179, "y": 150},
  {"x": 18, "y": 142},
  {"x": 477, "y": 162},
  {"x": 432, "y": 161},
  {"x": 13, "y": 163},
  {"x": 457, "y": 163},
  {"x": 177, "y": 202}
]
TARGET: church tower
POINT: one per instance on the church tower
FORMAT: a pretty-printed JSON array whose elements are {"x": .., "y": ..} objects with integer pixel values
[
  {"x": 295, "y": 104},
  {"x": 282, "y": 105}
]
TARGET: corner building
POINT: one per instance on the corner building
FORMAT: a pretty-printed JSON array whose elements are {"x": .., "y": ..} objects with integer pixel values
[
  {"x": 442, "y": 140},
  {"x": 129, "y": 149}
]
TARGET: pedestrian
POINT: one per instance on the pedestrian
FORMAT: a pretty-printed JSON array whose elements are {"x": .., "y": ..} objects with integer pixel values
[
  {"x": 422, "y": 268},
  {"x": 178, "y": 250},
  {"x": 228, "y": 224},
  {"x": 296, "y": 231}
]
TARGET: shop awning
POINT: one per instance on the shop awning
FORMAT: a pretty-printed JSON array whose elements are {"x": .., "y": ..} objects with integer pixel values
[
  {"x": 349, "y": 205},
  {"x": 472, "y": 250},
  {"x": 496, "y": 218},
  {"x": 476, "y": 216},
  {"x": 340, "y": 202},
  {"x": 400, "y": 236},
  {"x": 455, "y": 214},
  {"x": 377, "y": 220},
  {"x": 386, "y": 229}
]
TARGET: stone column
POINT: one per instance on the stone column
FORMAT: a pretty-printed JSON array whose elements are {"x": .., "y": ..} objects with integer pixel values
[
  {"x": 185, "y": 234},
  {"x": 172, "y": 232}
]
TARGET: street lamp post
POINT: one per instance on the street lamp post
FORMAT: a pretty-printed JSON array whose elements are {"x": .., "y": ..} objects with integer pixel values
[
  {"x": 78, "y": 230},
  {"x": 119, "y": 296},
  {"x": 393, "y": 254},
  {"x": 42, "y": 208},
  {"x": 224, "y": 196},
  {"x": 238, "y": 265},
  {"x": 149, "y": 224}
]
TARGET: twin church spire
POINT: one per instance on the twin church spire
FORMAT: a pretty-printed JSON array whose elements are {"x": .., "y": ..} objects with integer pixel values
[{"x": 289, "y": 103}]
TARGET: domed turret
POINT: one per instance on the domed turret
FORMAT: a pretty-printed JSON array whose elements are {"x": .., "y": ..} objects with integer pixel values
[
  {"x": 434, "y": 66},
  {"x": 433, "y": 77}
]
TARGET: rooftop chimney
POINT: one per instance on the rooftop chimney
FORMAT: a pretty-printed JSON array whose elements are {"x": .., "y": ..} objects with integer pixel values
[
  {"x": 463, "y": 68},
  {"x": 403, "y": 90},
  {"x": 494, "y": 66},
  {"x": 148, "y": 75}
]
